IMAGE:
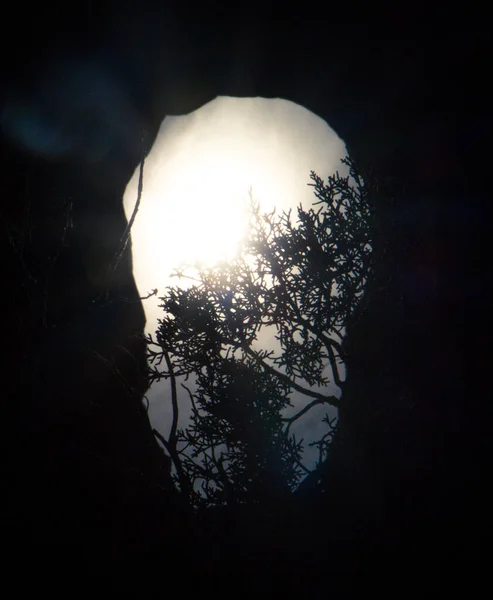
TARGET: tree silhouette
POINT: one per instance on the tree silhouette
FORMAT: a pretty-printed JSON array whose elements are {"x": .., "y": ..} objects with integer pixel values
[{"x": 299, "y": 280}]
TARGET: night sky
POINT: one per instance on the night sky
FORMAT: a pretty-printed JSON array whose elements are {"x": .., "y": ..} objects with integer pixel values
[{"x": 83, "y": 99}]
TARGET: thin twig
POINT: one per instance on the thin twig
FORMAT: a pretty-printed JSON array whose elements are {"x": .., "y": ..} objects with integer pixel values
[
  {"x": 321, "y": 399},
  {"x": 303, "y": 411},
  {"x": 182, "y": 477},
  {"x": 126, "y": 234},
  {"x": 174, "y": 400}
]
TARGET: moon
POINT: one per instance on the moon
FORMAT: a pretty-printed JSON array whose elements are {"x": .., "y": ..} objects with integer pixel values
[
  {"x": 198, "y": 175},
  {"x": 195, "y": 199}
]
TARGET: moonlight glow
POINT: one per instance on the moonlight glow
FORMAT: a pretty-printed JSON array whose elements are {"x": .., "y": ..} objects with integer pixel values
[
  {"x": 199, "y": 172},
  {"x": 207, "y": 209},
  {"x": 194, "y": 206}
]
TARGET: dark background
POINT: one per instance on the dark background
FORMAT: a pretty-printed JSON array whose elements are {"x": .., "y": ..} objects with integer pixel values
[{"x": 407, "y": 90}]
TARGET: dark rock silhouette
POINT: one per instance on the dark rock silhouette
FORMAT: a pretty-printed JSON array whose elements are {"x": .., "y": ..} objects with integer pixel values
[{"x": 83, "y": 101}]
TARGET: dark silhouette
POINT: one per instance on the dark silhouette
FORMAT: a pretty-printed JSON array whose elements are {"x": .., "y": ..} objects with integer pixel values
[{"x": 82, "y": 98}]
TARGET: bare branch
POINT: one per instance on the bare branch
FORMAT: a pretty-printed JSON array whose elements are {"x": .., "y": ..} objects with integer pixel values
[
  {"x": 182, "y": 477},
  {"x": 303, "y": 411},
  {"x": 126, "y": 234},
  {"x": 332, "y": 400},
  {"x": 174, "y": 400}
]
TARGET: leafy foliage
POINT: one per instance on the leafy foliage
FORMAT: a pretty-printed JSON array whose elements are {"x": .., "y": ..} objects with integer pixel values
[{"x": 300, "y": 280}]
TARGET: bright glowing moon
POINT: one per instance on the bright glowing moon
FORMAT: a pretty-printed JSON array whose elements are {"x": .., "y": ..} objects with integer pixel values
[
  {"x": 199, "y": 172},
  {"x": 195, "y": 197},
  {"x": 204, "y": 204}
]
